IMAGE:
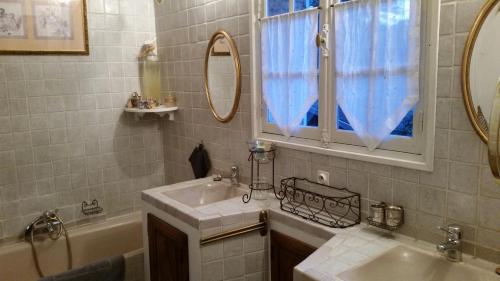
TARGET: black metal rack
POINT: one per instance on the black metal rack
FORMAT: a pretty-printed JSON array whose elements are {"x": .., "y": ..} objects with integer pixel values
[
  {"x": 91, "y": 208},
  {"x": 323, "y": 204}
]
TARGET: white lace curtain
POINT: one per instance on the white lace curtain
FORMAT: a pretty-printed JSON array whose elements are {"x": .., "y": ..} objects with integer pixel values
[
  {"x": 289, "y": 67},
  {"x": 377, "y": 44}
]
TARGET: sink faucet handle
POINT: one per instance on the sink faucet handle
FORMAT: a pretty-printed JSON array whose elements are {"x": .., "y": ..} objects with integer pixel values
[{"x": 454, "y": 231}]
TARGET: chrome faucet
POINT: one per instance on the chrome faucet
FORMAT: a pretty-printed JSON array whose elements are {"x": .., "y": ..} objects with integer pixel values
[
  {"x": 234, "y": 177},
  {"x": 48, "y": 223},
  {"x": 452, "y": 247}
]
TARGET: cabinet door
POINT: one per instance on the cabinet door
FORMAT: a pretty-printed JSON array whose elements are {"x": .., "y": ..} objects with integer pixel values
[
  {"x": 286, "y": 253},
  {"x": 168, "y": 251}
]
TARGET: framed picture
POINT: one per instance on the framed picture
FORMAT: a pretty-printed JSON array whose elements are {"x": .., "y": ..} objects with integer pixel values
[{"x": 43, "y": 27}]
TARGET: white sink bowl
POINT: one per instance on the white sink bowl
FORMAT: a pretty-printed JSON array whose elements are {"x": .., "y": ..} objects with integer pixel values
[
  {"x": 405, "y": 264},
  {"x": 204, "y": 194}
]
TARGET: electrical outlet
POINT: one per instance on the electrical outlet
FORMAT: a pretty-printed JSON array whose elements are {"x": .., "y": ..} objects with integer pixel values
[{"x": 323, "y": 177}]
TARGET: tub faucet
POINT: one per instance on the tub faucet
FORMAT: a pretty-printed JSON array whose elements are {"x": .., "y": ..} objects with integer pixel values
[
  {"x": 48, "y": 223},
  {"x": 452, "y": 247},
  {"x": 234, "y": 177}
]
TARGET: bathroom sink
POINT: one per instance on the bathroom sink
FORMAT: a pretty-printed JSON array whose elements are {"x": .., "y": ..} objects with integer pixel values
[
  {"x": 204, "y": 194},
  {"x": 405, "y": 264}
]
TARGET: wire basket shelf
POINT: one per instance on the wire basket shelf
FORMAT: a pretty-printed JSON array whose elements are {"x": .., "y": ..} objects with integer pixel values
[{"x": 327, "y": 205}]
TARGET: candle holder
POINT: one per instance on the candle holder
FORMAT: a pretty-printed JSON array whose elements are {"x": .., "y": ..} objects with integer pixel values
[{"x": 262, "y": 156}]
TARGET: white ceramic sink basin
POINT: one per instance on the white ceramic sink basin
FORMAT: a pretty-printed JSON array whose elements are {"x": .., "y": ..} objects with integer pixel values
[
  {"x": 204, "y": 194},
  {"x": 405, "y": 264}
]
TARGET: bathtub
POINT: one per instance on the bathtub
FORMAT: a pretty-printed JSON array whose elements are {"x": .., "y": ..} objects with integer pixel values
[{"x": 116, "y": 236}]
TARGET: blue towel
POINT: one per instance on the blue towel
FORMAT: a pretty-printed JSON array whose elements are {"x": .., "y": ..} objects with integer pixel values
[{"x": 111, "y": 269}]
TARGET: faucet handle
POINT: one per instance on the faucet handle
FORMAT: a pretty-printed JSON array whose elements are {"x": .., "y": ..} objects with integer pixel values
[{"x": 454, "y": 231}]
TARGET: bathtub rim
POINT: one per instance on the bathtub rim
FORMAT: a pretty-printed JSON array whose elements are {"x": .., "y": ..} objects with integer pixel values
[{"x": 78, "y": 229}]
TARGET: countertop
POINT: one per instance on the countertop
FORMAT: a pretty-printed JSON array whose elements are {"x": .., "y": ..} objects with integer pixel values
[{"x": 344, "y": 249}]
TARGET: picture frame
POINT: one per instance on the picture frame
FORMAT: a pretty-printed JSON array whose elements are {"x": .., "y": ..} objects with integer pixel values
[{"x": 43, "y": 27}]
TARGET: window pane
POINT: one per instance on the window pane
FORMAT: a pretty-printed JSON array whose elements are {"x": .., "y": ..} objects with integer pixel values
[
  {"x": 342, "y": 122},
  {"x": 311, "y": 119},
  {"x": 276, "y": 7},
  {"x": 305, "y": 4},
  {"x": 405, "y": 128}
]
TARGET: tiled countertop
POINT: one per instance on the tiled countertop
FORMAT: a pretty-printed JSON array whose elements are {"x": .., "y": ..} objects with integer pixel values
[
  {"x": 344, "y": 249},
  {"x": 203, "y": 217}
]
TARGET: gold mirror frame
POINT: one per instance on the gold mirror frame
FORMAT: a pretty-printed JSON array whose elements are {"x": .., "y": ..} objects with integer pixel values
[
  {"x": 236, "y": 59},
  {"x": 494, "y": 136},
  {"x": 475, "y": 118}
]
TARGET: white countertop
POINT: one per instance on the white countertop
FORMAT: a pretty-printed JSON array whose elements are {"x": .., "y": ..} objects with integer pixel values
[
  {"x": 344, "y": 248},
  {"x": 204, "y": 216}
]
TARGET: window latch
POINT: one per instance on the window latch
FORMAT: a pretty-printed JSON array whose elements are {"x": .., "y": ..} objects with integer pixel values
[
  {"x": 325, "y": 138},
  {"x": 322, "y": 40}
]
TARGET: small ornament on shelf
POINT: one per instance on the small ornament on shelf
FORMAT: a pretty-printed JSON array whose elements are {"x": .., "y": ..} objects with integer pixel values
[
  {"x": 135, "y": 100},
  {"x": 140, "y": 106},
  {"x": 170, "y": 100}
]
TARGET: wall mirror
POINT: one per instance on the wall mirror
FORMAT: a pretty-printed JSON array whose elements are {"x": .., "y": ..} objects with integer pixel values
[
  {"x": 222, "y": 76},
  {"x": 481, "y": 67},
  {"x": 494, "y": 136}
]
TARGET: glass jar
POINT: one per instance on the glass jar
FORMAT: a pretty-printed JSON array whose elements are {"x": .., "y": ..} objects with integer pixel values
[{"x": 151, "y": 77}]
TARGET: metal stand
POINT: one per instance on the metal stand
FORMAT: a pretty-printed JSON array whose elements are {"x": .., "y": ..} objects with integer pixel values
[
  {"x": 259, "y": 158},
  {"x": 384, "y": 225}
]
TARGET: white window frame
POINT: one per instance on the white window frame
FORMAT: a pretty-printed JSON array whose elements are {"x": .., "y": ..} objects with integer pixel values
[{"x": 417, "y": 153}]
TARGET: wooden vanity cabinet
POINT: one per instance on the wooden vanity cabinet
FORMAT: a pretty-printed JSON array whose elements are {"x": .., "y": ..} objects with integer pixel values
[
  {"x": 168, "y": 251},
  {"x": 286, "y": 253}
]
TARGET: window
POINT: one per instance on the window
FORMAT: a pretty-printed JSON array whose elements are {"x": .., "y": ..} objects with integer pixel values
[
  {"x": 310, "y": 123},
  {"x": 332, "y": 125}
]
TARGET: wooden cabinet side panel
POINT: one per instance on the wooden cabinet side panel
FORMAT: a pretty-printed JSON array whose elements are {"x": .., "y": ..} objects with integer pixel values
[
  {"x": 168, "y": 251},
  {"x": 286, "y": 253}
]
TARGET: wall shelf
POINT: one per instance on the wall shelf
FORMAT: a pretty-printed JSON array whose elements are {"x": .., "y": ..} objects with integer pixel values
[{"x": 160, "y": 111}]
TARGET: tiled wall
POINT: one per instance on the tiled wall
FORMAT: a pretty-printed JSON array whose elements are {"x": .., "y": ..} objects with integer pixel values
[
  {"x": 239, "y": 258},
  {"x": 63, "y": 135},
  {"x": 134, "y": 267},
  {"x": 460, "y": 189}
]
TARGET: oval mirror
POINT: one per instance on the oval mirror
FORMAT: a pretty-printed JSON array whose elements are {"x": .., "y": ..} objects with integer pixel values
[
  {"x": 481, "y": 67},
  {"x": 494, "y": 136},
  {"x": 222, "y": 76}
]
